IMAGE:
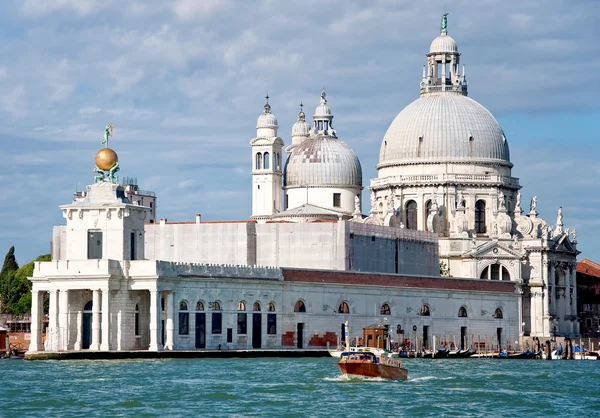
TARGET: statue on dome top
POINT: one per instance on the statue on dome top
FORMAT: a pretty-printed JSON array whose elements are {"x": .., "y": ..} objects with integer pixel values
[{"x": 444, "y": 28}]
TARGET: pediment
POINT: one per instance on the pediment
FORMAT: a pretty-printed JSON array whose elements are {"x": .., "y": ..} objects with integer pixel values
[
  {"x": 494, "y": 249},
  {"x": 563, "y": 244}
]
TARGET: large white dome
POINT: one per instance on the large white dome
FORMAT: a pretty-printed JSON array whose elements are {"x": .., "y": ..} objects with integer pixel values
[
  {"x": 322, "y": 161},
  {"x": 444, "y": 127}
]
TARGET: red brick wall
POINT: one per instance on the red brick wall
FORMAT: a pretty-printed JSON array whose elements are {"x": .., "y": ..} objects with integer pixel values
[
  {"x": 321, "y": 341},
  {"x": 392, "y": 280},
  {"x": 287, "y": 339}
]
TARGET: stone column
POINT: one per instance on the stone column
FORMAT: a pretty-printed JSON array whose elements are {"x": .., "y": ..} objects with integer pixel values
[
  {"x": 37, "y": 311},
  {"x": 105, "y": 346},
  {"x": 155, "y": 316},
  {"x": 169, "y": 324},
  {"x": 566, "y": 302},
  {"x": 63, "y": 320},
  {"x": 52, "y": 331},
  {"x": 95, "y": 320},
  {"x": 77, "y": 346},
  {"x": 545, "y": 296},
  {"x": 575, "y": 305},
  {"x": 552, "y": 282}
]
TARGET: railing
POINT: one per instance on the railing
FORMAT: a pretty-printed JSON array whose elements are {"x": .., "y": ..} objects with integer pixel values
[{"x": 446, "y": 178}]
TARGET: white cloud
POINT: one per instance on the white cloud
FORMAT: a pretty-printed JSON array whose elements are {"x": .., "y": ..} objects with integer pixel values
[
  {"x": 42, "y": 7},
  {"x": 198, "y": 9}
]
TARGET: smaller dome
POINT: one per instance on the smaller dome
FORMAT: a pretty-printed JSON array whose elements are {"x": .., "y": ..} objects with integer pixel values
[
  {"x": 301, "y": 127},
  {"x": 106, "y": 159},
  {"x": 266, "y": 119},
  {"x": 443, "y": 44},
  {"x": 322, "y": 161}
]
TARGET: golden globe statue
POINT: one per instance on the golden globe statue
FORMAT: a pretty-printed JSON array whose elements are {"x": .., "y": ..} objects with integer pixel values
[{"x": 106, "y": 159}]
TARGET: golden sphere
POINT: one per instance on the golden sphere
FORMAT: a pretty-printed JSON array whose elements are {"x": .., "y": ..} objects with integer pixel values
[{"x": 106, "y": 159}]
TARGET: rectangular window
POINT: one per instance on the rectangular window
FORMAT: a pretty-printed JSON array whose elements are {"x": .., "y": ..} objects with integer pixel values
[
  {"x": 184, "y": 323},
  {"x": 137, "y": 323},
  {"x": 285, "y": 202},
  {"x": 132, "y": 246},
  {"x": 94, "y": 244},
  {"x": 229, "y": 335},
  {"x": 216, "y": 323},
  {"x": 271, "y": 323},
  {"x": 242, "y": 323},
  {"x": 337, "y": 200}
]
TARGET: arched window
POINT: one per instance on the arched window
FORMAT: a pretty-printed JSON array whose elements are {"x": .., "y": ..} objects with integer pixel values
[
  {"x": 480, "y": 217},
  {"x": 258, "y": 161},
  {"x": 266, "y": 160},
  {"x": 344, "y": 308},
  {"x": 88, "y": 306},
  {"x": 242, "y": 319},
  {"x": 411, "y": 215},
  {"x": 217, "y": 318},
  {"x": 199, "y": 305},
  {"x": 495, "y": 272},
  {"x": 498, "y": 313},
  {"x": 271, "y": 319},
  {"x": 426, "y": 214},
  {"x": 385, "y": 309},
  {"x": 256, "y": 306},
  {"x": 277, "y": 161},
  {"x": 462, "y": 312},
  {"x": 425, "y": 311},
  {"x": 136, "y": 324},
  {"x": 299, "y": 307},
  {"x": 184, "y": 318}
]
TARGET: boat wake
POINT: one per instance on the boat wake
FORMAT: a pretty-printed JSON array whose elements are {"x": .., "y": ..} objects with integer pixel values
[{"x": 347, "y": 378}]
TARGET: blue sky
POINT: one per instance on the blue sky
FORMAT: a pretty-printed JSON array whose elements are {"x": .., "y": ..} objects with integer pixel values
[{"x": 183, "y": 83}]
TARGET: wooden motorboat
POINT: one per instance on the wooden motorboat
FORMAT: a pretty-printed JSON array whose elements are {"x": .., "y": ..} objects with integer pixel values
[
  {"x": 367, "y": 364},
  {"x": 337, "y": 353}
]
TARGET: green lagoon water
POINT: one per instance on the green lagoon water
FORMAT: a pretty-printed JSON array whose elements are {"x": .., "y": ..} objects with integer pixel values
[{"x": 305, "y": 387}]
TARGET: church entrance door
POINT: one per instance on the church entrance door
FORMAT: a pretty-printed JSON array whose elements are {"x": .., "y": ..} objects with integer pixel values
[{"x": 86, "y": 335}]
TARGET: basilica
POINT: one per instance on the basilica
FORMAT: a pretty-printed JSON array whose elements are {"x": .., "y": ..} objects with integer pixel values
[{"x": 308, "y": 258}]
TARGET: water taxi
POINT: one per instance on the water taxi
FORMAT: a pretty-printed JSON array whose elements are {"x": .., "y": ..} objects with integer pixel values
[
  {"x": 367, "y": 364},
  {"x": 370, "y": 364}
]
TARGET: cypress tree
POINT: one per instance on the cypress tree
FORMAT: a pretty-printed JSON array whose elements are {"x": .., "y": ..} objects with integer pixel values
[{"x": 9, "y": 267}]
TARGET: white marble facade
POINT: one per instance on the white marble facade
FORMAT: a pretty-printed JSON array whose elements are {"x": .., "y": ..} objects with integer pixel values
[{"x": 444, "y": 192}]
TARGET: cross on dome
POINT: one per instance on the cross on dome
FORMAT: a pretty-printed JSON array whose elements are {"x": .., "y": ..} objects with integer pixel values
[{"x": 267, "y": 105}]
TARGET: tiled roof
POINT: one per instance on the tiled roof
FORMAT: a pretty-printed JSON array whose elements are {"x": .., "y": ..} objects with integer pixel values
[
  {"x": 395, "y": 280},
  {"x": 588, "y": 267}
]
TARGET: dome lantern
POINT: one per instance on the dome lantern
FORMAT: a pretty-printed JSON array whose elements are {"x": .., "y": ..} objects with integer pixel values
[
  {"x": 323, "y": 118},
  {"x": 442, "y": 73}
]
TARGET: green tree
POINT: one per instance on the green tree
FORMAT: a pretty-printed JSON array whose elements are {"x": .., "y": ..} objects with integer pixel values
[
  {"x": 17, "y": 293},
  {"x": 9, "y": 267}
]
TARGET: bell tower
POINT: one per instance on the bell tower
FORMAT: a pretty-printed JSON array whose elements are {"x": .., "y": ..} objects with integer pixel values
[{"x": 267, "y": 170}]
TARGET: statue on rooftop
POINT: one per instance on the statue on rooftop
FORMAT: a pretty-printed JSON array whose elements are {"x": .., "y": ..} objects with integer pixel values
[{"x": 533, "y": 205}]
